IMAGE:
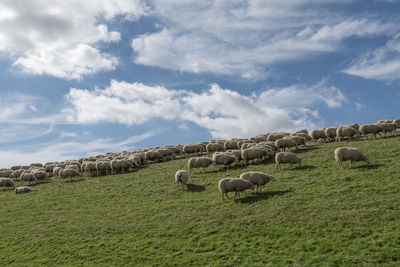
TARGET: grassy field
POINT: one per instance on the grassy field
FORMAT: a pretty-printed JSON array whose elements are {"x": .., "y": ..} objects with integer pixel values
[{"x": 314, "y": 215}]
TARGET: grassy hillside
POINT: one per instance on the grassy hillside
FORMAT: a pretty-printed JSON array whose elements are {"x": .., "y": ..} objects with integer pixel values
[{"x": 317, "y": 214}]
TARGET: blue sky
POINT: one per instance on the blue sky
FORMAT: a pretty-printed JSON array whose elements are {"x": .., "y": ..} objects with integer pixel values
[{"x": 82, "y": 78}]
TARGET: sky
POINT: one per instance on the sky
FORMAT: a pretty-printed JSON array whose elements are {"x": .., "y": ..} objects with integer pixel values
[{"x": 80, "y": 78}]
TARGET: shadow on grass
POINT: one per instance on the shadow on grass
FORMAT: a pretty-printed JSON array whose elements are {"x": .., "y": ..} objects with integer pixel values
[
  {"x": 67, "y": 180},
  {"x": 262, "y": 196},
  {"x": 370, "y": 166},
  {"x": 195, "y": 188},
  {"x": 303, "y": 167}
]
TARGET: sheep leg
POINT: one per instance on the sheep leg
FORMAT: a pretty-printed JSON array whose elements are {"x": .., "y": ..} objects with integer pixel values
[
  {"x": 204, "y": 170},
  {"x": 260, "y": 188},
  {"x": 340, "y": 163}
]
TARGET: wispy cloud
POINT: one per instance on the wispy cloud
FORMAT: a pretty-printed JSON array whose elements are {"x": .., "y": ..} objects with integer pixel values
[{"x": 225, "y": 113}]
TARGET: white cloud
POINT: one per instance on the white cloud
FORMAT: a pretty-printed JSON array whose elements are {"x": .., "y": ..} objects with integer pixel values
[
  {"x": 246, "y": 37},
  {"x": 61, "y": 38},
  {"x": 381, "y": 64},
  {"x": 223, "y": 112},
  {"x": 11, "y": 132},
  {"x": 46, "y": 152}
]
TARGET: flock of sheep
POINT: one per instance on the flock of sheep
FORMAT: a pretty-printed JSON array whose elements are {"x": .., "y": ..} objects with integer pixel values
[{"x": 224, "y": 153}]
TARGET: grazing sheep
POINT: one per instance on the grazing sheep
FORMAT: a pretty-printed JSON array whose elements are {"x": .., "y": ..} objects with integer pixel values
[
  {"x": 318, "y": 134},
  {"x": 17, "y": 173},
  {"x": 349, "y": 153},
  {"x": 191, "y": 148},
  {"x": 69, "y": 173},
  {"x": 181, "y": 177},
  {"x": 353, "y": 125},
  {"x": 40, "y": 174},
  {"x": 120, "y": 166},
  {"x": 214, "y": 147},
  {"x": 304, "y": 131},
  {"x": 230, "y": 145},
  {"x": 49, "y": 167},
  {"x": 237, "y": 153},
  {"x": 28, "y": 177},
  {"x": 89, "y": 167},
  {"x": 348, "y": 132},
  {"x": 103, "y": 166},
  {"x": 305, "y": 136},
  {"x": 224, "y": 158},
  {"x": 6, "y": 173},
  {"x": 257, "y": 178},
  {"x": 330, "y": 133},
  {"x": 236, "y": 185},
  {"x": 247, "y": 145},
  {"x": 388, "y": 127},
  {"x": 153, "y": 156},
  {"x": 6, "y": 182},
  {"x": 199, "y": 162},
  {"x": 370, "y": 129},
  {"x": 39, "y": 165},
  {"x": 285, "y": 143},
  {"x": 14, "y": 168},
  {"x": 23, "y": 189},
  {"x": 56, "y": 170},
  {"x": 253, "y": 153},
  {"x": 274, "y": 137},
  {"x": 286, "y": 157}
]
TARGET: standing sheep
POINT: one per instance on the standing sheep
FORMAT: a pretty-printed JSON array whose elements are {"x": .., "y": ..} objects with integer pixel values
[
  {"x": 68, "y": 173},
  {"x": 286, "y": 157},
  {"x": 257, "y": 178},
  {"x": 318, "y": 134},
  {"x": 348, "y": 132},
  {"x": 223, "y": 158},
  {"x": 236, "y": 185},
  {"x": 199, "y": 162},
  {"x": 181, "y": 177},
  {"x": 370, "y": 129},
  {"x": 330, "y": 133},
  {"x": 349, "y": 153}
]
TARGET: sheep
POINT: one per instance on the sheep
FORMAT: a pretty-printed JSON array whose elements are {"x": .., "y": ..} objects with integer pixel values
[
  {"x": 353, "y": 125},
  {"x": 370, "y": 129},
  {"x": 223, "y": 158},
  {"x": 236, "y": 185},
  {"x": 6, "y": 173},
  {"x": 6, "y": 182},
  {"x": 103, "y": 166},
  {"x": 257, "y": 178},
  {"x": 89, "y": 167},
  {"x": 230, "y": 145},
  {"x": 23, "y": 189},
  {"x": 348, "y": 132},
  {"x": 349, "y": 153},
  {"x": 199, "y": 162},
  {"x": 303, "y": 131},
  {"x": 298, "y": 139},
  {"x": 120, "y": 165},
  {"x": 253, "y": 153},
  {"x": 49, "y": 167},
  {"x": 28, "y": 177},
  {"x": 213, "y": 147},
  {"x": 305, "y": 136},
  {"x": 191, "y": 148},
  {"x": 181, "y": 177},
  {"x": 318, "y": 134},
  {"x": 14, "y": 168},
  {"x": 17, "y": 173},
  {"x": 40, "y": 165},
  {"x": 274, "y": 137},
  {"x": 244, "y": 141},
  {"x": 285, "y": 143},
  {"x": 40, "y": 174},
  {"x": 388, "y": 127},
  {"x": 237, "y": 153},
  {"x": 153, "y": 156},
  {"x": 286, "y": 157},
  {"x": 247, "y": 145},
  {"x": 65, "y": 173},
  {"x": 330, "y": 133},
  {"x": 56, "y": 170}
]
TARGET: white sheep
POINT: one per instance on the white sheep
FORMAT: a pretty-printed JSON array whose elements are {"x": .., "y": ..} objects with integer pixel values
[
  {"x": 370, "y": 129},
  {"x": 6, "y": 173},
  {"x": 6, "y": 182},
  {"x": 181, "y": 177},
  {"x": 23, "y": 189},
  {"x": 388, "y": 127},
  {"x": 90, "y": 167},
  {"x": 318, "y": 134},
  {"x": 65, "y": 173},
  {"x": 348, "y": 132},
  {"x": 191, "y": 148},
  {"x": 199, "y": 162},
  {"x": 103, "y": 166},
  {"x": 257, "y": 178},
  {"x": 120, "y": 165},
  {"x": 349, "y": 153},
  {"x": 213, "y": 147},
  {"x": 236, "y": 185},
  {"x": 254, "y": 153},
  {"x": 28, "y": 177},
  {"x": 330, "y": 133},
  {"x": 285, "y": 143},
  {"x": 286, "y": 157},
  {"x": 224, "y": 158}
]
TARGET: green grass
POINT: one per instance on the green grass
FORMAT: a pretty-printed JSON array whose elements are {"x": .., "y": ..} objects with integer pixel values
[{"x": 316, "y": 215}]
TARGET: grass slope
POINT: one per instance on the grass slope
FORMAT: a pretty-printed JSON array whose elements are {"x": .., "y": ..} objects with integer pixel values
[{"x": 314, "y": 215}]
